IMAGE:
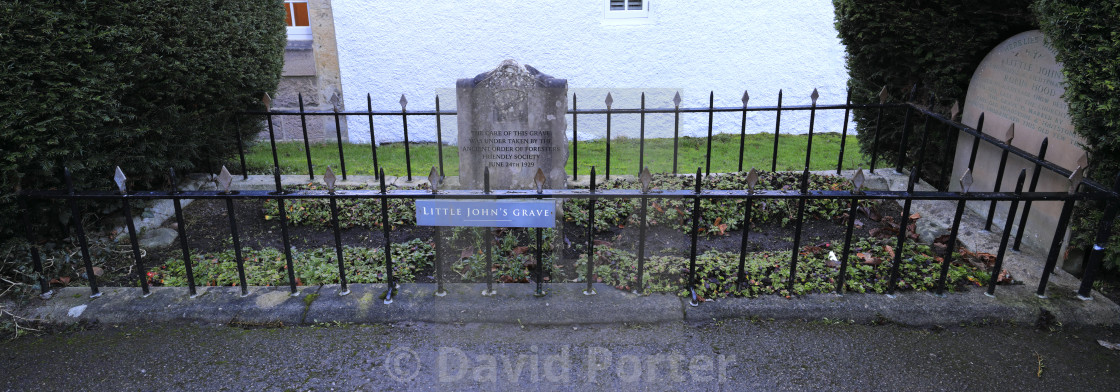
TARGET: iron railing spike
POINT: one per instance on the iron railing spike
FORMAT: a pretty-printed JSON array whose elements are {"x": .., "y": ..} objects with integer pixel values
[
  {"x": 434, "y": 179},
  {"x": 120, "y": 180},
  {"x": 646, "y": 178},
  {"x": 225, "y": 179},
  {"x": 539, "y": 180},
  {"x": 858, "y": 180},
  {"x": 966, "y": 181},
  {"x": 329, "y": 178}
]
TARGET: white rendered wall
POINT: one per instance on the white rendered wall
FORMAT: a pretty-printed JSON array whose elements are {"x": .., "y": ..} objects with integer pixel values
[{"x": 420, "y": 47}]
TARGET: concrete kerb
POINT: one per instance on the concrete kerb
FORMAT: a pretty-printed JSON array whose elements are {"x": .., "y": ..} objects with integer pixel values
[{"x": 564, "y": 305}]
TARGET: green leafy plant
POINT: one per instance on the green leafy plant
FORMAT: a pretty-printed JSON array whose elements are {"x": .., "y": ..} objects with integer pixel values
[
  {"x": 719, "y": 215},
  {"x": 268, "y": 266},
  {"x": 767, "y": 272},
  {"x": 351, "y": 212}
]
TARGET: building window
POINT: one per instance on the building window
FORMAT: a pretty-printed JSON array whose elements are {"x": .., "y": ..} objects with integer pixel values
[
  {"x": 627, "y": 8},
  {"x": 299, "y": 23}
]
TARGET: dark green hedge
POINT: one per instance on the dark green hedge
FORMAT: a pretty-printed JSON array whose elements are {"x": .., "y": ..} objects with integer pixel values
[
  {"x": 1086, "y": 35},
  {"x": 147, "y": 85},
  {"x": 934, "y": 45}
]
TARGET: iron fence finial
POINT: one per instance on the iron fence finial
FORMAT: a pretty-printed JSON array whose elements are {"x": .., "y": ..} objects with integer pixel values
[
  {"x": 858, "y": 180},
  {"x": 225, "y": 179},
  {"x": 329, "y": 178},
  {"x": 746, "y": 98},
  {"x": 954, "y": 110},
  {"x": 119, "y": 178},
  {"x": 752, "y": 180},
  {"x": 609, "y": 100},
  {"x": 404, "y": 102},
  {"x": 266, "y": 100},
  {"x": 1075, "y": 179},
  {"x": 814, "y": 96},
  {"x": 646, "y": 178},
  {"x": 677, "y": 100},
  {"x": 883, "y": 95},
  {"x": 966, "y": 181},
  {"x": 336, "y": 102},
  {"x": 539, "y": 180},
  {"x": 434, "y": 179}
]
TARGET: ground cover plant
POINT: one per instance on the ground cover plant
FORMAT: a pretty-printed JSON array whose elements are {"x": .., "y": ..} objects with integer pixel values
[
  {"x": 720, "y": 216},
  {"x": 766, "y": 272},
  {"x": 268, "y": 266},
  {"x": 351, "y": 212}
]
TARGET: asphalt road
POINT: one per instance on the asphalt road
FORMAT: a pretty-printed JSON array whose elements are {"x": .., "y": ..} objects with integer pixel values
[{"x": 724, "y": 355}]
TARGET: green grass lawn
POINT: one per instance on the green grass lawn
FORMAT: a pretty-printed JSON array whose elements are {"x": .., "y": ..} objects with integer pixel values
[{"x": 624, "y": 155}]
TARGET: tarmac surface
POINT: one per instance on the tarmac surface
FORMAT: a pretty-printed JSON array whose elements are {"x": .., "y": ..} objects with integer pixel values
[{"x": 730, "y": 354}]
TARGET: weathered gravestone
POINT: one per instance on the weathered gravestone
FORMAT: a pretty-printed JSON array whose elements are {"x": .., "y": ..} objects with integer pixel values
[
  {"x": 1019, "y": 82},
  {"x": 512, "y": 120}
]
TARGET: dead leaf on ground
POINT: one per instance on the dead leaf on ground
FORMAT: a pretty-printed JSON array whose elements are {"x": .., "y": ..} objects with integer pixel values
[
  {"x": 868, "y": 259},
  {"x": 889, "y": 250},
  {"x": 915, "y": 215},
  {"x": 874, "y": 214},
  {"x": 1109, "y": 345},
  {"x": 1004, "y": 277}
]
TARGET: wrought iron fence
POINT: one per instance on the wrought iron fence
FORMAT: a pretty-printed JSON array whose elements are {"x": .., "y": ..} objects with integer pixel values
[
  {"x": 1080, "y": 189},
  {"x": 609, "y": 112}
]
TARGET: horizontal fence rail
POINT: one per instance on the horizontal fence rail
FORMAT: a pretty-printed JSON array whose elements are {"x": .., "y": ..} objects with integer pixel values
[{"x": 698, "y": 193}]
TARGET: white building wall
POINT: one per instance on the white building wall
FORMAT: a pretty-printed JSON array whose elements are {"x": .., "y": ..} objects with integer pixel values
[{"x": 420, "y": 47}]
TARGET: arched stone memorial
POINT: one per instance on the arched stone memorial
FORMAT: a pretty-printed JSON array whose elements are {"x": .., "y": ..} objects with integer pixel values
[{"x": 1019, "y": 82}]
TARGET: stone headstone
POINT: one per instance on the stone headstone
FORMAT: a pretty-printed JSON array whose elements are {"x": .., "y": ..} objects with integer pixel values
[
  {"x": 512, "y": 120},
  {"x": 1019, "y": 82}
]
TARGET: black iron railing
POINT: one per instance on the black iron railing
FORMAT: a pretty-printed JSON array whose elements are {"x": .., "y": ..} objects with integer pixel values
[
  {"x": 1079, "y": 189},
  {"x": 609, "y": 112}
]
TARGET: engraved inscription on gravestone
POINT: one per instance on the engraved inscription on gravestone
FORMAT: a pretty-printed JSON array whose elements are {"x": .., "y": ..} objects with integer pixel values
[
  {"x": 1020, "y": 83},
  {"x": 512, "y": 120}
]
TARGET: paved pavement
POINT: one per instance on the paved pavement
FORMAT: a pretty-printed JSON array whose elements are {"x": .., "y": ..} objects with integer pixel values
[{"x": 731, "y": 354}]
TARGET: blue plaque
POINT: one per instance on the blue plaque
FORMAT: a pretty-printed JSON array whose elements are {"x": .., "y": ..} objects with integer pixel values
[{"x": 486, "y": 213}]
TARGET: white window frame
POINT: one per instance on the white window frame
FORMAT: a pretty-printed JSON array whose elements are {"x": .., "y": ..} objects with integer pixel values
[
  {"x": 298, "y": 33},
  {"x": 625, "y": 14}
]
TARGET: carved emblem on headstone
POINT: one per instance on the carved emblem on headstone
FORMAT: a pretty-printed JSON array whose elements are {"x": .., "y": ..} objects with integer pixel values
[{"x": 512, "y": 121}]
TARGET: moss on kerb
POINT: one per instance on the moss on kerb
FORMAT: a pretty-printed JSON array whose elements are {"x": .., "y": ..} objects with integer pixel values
[{"x": 308, "y": 299}]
